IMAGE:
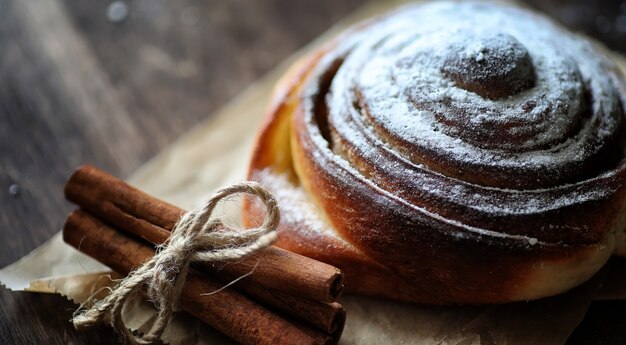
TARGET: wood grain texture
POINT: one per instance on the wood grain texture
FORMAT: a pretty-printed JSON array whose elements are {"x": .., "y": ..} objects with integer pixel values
[{"x": 76, "y": 88}]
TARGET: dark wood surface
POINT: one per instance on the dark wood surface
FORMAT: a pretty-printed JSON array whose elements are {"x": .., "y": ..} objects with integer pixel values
[{"x": 77, "y": 87}]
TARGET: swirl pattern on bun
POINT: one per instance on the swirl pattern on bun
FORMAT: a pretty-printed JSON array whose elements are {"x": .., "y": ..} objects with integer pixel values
[{"x": 461, "y": 152}]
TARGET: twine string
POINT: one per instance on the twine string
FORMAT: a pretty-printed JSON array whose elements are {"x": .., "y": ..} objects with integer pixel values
[{"x": 196, "y": 237}]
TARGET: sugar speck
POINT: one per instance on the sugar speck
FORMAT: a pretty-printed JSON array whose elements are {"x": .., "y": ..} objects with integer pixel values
[
  {"x": 14, "y": 189},
  {"x": 117, "y": 11}
]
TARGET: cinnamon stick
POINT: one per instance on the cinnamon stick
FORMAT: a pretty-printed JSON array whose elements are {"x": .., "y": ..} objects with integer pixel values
[
  {"x": 227, "y": 311},
  {"x": 327, "y": 317},
  {"x": 131, "y": 210}
]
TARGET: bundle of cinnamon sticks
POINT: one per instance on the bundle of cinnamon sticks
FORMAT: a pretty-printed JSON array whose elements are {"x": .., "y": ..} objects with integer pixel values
[{"x": 288, "y": 298}]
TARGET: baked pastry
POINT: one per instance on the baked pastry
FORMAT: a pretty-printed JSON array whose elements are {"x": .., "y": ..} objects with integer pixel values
[{"x": 450, "y": 153}]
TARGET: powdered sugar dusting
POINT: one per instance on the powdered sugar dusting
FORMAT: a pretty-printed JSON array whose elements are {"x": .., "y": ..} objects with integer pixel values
[
  {"x": 396, "y": 68},
  {"x": 296, "y": 209},
  {"x": 393, "y": 102}
]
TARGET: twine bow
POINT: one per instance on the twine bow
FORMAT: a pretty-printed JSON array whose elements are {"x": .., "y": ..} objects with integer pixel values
[{"x": 197, "y": 237}]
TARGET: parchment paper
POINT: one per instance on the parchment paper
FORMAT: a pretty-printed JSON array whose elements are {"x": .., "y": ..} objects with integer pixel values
[{"x": 214, "y": 154}]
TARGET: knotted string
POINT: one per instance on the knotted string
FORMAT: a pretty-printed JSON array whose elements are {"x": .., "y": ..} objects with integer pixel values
[{"x": 197, "y": 237}]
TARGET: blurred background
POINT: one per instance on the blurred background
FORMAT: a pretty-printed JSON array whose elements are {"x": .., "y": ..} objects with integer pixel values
[
  {"x": 604, "y": 20},
  {"x": 112, "y": 83}
]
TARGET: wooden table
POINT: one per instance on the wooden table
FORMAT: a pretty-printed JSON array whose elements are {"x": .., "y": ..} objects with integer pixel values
[{"x": 83, "y": 82}]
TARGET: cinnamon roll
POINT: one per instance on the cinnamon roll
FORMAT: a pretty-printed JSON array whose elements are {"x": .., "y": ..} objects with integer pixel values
[{"x": 450, "y": 153}]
